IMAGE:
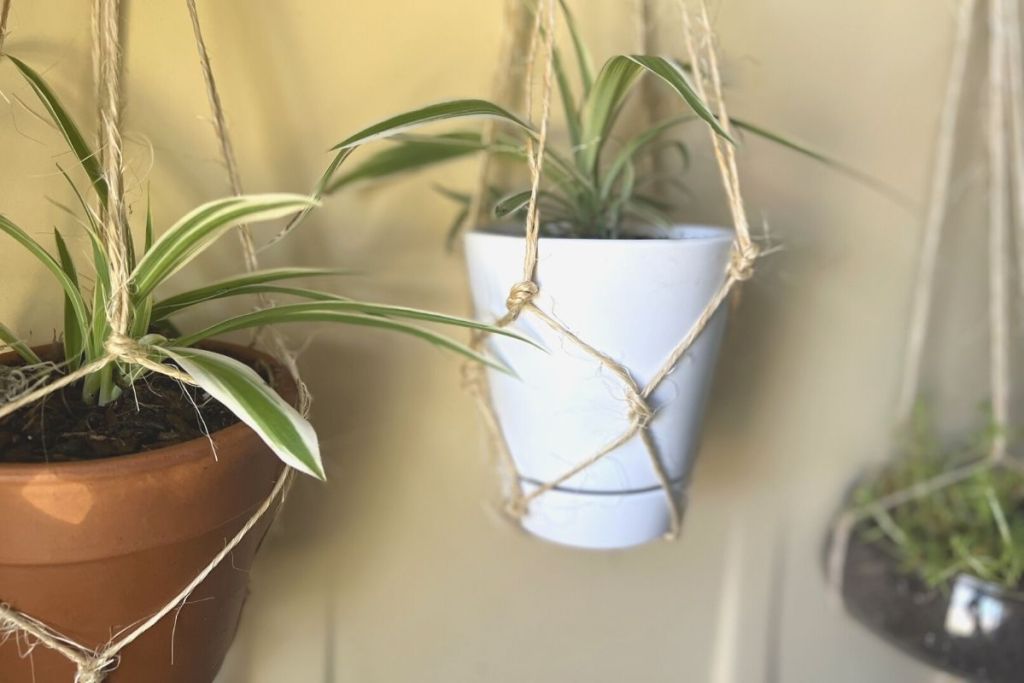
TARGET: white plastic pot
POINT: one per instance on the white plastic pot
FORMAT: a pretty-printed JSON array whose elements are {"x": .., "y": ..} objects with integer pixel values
[{"x": 634, "y": 300}]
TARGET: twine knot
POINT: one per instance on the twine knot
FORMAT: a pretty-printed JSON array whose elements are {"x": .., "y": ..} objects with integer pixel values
[
  {"x": 124, "y": 347},
  {"x": 94, "y": 670},
  {"x": 639, "y": 412},
  {"x": 520, "y": 297},
  {"x": 741, "y": 262},
  {"x": 517, "y": 506}
]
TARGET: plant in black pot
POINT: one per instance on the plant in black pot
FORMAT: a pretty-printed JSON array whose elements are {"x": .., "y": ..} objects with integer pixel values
[{"x": 934, "y": 561}]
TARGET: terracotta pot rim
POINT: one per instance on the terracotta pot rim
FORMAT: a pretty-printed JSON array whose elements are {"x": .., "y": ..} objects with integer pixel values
[{"x": 158, "y": 458}]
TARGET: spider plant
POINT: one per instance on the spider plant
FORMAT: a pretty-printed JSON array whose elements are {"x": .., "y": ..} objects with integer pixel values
[
  {"x": 597, "y": 184},
  {"x": 87, "y": 326}
]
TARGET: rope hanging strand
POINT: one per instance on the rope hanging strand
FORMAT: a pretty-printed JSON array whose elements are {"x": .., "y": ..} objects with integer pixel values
[
  {"x": 522, "y": 294},
  {"x": 935, "y": 218},
  {"x": 998, "y": 230},
  {"x": 227, "y": 150},
  {"x": 1015, "y": 55}
]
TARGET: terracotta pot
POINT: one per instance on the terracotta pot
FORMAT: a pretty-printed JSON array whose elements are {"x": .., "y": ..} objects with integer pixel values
[{"x": 90, "y": 548}]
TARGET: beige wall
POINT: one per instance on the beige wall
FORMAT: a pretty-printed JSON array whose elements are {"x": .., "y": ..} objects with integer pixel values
[{"x": 399, "y": 569}]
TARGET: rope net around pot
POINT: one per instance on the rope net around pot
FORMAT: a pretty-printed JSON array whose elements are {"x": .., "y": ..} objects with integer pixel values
[
  {"x": 93, "y": 665},
  {"x": 702, "y": 54},
  {"x": 1004, "y": 94}
]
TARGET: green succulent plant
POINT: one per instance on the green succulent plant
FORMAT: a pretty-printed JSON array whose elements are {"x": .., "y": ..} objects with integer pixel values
[
  {"x": 87, "y": 327},
  {"x": 975, "y": 526}
]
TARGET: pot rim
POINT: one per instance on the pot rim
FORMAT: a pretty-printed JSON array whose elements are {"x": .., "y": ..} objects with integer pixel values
[
  {"x": 678, "y": 233},
  {"x": 158, "y": 458}
]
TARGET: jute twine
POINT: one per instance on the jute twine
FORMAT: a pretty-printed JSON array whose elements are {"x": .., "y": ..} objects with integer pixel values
[
  {"x": 1003, "y": 50},
  {"x": 522, "y": 295},
  {"x": 93, "y": 665}
]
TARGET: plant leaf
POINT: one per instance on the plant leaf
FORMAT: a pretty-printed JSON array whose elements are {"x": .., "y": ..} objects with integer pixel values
[
  {"x": 354, "y": 313},
  {"x": 74, "y": 295},
  {"x": 202, "y": 226},
  {"x": 233, "y": 286},
  {"x": 245, "y": 394},
  {"x": 583, "y": 61},
  {"x": 671, "y": 73},
  {"x": 21, "y": 348},
  {"x": 860, "y": 176},
  {"x": 410, "y": 154},
  {"x": 74, "y": 339},
  {"x": 443, "y": 111},
  {"x": 67, "y": 127},
  {"x": 512, "y": 203},
  {"x": 633, "y": 146}
]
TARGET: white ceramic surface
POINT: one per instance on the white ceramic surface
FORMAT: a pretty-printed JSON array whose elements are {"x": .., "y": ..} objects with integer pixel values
[
  {"x": 601, "y": 521},
  {"x": 633, "y": 299}
]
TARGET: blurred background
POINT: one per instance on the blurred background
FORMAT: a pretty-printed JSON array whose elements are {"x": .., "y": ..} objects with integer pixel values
[{"x": 401, "y": 568}]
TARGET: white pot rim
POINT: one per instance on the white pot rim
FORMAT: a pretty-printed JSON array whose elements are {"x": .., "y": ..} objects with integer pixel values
[{"x": 680, "y": 233}]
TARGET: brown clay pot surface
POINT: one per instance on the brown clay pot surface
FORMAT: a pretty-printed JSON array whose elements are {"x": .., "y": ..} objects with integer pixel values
[{"x": 90, "y": 548}]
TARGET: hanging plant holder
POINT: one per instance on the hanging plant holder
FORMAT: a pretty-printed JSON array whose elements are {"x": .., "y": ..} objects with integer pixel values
[
  {"x": 599, "y": 434},
  {"x": 955, "y": 621},
  {"x": 566, "y": 402}
]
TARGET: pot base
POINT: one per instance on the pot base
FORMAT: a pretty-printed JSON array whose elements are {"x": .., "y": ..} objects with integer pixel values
[{"x": 601, "y": 521}]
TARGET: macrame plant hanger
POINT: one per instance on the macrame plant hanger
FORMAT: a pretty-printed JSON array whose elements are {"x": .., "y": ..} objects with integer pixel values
[
  {"x": 1005, "y": 77},
  {"x": 521, "y": 298},
  {"x": 93, "y": 665}
]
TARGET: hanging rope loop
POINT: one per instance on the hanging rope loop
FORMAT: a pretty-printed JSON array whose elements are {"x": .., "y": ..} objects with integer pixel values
[
  {"x": 742, "y": 261},
  {"x": 521, "y": 296}
]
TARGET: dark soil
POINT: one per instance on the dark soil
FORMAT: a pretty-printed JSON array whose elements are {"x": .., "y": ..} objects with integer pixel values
[
  {"x": 971, "y": 629},
  {"x": 156, "y": 412}
]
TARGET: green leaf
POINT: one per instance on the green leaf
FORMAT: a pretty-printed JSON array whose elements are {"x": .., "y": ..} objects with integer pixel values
[
  {"x": 148, "y": 243},
  {"x": 21, "y": 348},
  {"x": 74, "y": 333},
  {"x": 242, "y": 284},
  {"x": 74, "y": 295},
  {"x": 67, "y": 127},
  {"x": 602, "y": 106},
  {"x": 860, "y": 176},
  {"x": 583, "y": 61},
  {"x": 634, "y": 145},
  {"x": 512, "y": 203},
  {"x": 245, "y": 394},
  {"x": 443, "y": 111},
  {"x": 572, "y": 116},
  {"x": 187, "y": 238},
  {"x": 410, "y": 153},
  {"x": 354, "y": 313},
  {"x": 671, "y": 73}
]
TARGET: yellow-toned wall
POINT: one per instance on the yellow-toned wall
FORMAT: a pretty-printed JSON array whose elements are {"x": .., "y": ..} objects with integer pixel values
[{"x": 399, "y": 569}]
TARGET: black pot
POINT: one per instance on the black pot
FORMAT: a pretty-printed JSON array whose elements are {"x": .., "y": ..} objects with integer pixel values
[{"x": 973, "y": 629}]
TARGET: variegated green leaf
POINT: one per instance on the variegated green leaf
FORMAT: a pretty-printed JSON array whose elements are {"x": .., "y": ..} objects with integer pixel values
[
  {"x": 21, "y": 348},
  {"x": 356, "y": 313},
  {"x": 187, "y": 238},
  {"x": 81, "y": 313},
  {"x": 74, "y": 333},
  {"x": 62, "y": 119},
  {"x": 249, "y": 283},
  {"x": 244, "y": 393}
]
